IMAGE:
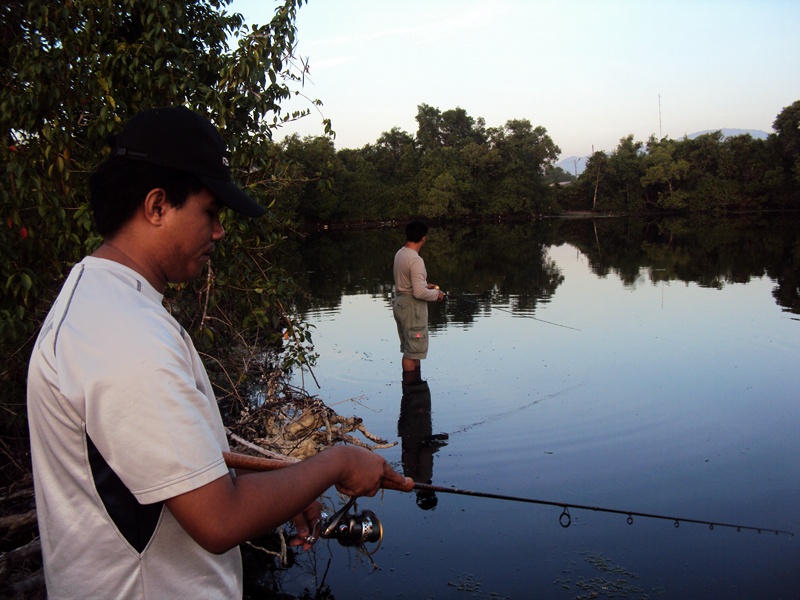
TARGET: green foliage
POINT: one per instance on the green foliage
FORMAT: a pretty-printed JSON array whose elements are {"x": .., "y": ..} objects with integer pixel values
[
  {"x": 555, "y": 175},
  {"x": 598, "y": 169},
  {"x": 662, "y": 170},
  {"x": 454, "y": 167},
  {"x": 709, "y": 173},
  {"x": 524, "y": 152},
  {"x": 787, "y": 144},
  {"x": 72, "y": 74}
]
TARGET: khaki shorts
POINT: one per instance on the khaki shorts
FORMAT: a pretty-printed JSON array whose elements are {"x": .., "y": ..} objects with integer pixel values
[{"x": 411, "y": 316}]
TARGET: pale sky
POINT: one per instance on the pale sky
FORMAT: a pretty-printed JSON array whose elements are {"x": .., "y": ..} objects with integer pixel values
[{"x": 589, "y": 72}]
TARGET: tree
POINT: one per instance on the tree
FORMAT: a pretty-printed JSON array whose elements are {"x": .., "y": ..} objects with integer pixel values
[
  {"x": 429, "y": 128},
  {"x": 525, "y": 153},
  {"x": 393, "y": 146},
  {"x": 556, "y": 175},
  {"x": 315, "y": 169},
  {"x": 746, "y": 163},
  {"x": 787, "y": 128},
  {"x": 662, "y": 169},
  {"x": 598, "y": 167},
  {"x": 72, "y": 73},
  {"x": 452, "y": 128},
  {"x": 396, "y": 159},
  {"x": 459, "y": 129},
  {"x": 443, "y": 182},
  {"x": 627, "y": 166}
]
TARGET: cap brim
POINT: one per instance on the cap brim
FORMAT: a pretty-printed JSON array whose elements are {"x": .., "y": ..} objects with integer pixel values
[{"x": 233, "y": 197}]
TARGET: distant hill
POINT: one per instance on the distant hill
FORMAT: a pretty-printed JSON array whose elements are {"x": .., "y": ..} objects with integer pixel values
[
  {"x": 576, "y": 164},
  {"x": 570, "y": 166},
  {"x": 755, "y": 133}
]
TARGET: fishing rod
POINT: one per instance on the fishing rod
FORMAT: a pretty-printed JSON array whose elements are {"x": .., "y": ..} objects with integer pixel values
[
  {"x": 465, "y": 299},
  {"x": 254, "y": 463},
  {"x": 566, "y": 520}
]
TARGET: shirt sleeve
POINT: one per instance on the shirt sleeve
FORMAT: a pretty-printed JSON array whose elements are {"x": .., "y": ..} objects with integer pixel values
[{"x": 419, "y": 281}]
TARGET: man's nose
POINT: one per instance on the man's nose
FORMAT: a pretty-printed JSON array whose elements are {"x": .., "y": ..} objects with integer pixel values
[{"x": 219, "y": 231}]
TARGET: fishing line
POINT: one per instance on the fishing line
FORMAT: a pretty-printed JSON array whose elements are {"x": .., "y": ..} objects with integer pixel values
[
  {"x": 475, "y": 302},
  {"x": 514, "y": 410}
]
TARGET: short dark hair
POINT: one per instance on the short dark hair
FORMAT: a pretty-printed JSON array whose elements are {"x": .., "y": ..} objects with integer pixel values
[
  {"x": 416, "y": 230},
  {"x": 118, "y": 187}
]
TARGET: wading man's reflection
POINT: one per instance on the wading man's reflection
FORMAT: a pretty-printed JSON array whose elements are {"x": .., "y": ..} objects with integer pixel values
[{"x": 418, "y": 442}]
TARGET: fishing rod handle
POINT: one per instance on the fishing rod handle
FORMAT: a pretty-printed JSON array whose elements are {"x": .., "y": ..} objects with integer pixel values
[
  {"x": 235, "y": 460},
  {"x": 408, "y": 486}
]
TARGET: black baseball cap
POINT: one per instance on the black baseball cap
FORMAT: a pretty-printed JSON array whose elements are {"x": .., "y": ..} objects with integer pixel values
[{"x": 181, "y": 139}]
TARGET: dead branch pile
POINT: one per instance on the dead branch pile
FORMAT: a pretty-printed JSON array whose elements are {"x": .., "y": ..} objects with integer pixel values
[
  {"x": 289, "y": 422},
  {"x": 20, "y": 551}
]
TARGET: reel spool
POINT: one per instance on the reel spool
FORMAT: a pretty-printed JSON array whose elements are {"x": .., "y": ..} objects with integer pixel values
[{"x": 354, "y": 529}]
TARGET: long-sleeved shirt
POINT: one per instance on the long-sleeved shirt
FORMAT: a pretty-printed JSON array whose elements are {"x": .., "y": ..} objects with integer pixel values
[{"x": 410, "y": 276}]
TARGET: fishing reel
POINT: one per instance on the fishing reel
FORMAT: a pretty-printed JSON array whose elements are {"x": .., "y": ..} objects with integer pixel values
[{"x": 353, "y": 529}]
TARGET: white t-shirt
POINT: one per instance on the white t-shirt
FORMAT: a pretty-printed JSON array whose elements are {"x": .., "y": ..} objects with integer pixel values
[{"x": 120, "y": 408}]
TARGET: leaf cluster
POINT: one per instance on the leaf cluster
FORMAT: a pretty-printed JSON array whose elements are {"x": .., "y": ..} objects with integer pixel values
[
  {"x": 709, "y": 173},
  {"x": 73, "y": 72},
  {"x": 454, "y": 166}
]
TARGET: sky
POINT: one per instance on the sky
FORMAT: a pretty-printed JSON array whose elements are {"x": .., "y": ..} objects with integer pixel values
[{"x": 589, "y": 72}]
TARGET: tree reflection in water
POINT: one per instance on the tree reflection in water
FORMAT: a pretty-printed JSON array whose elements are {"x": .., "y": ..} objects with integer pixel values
[{"x": 684, "y": 408}]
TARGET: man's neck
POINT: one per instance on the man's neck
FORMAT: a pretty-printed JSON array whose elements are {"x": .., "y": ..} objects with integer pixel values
[{"x": 118, "y": 252}]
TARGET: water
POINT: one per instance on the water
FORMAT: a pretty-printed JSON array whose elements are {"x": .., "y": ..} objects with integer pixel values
[{"x": 676, "y": 392}]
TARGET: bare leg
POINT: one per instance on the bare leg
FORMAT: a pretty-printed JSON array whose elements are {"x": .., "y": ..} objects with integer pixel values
[
  {"x": 410, "y": 364},
  {"x": 411, "y": 371}
]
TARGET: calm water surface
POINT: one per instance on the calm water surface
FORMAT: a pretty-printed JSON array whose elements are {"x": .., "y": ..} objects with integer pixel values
[{"x": 677, "y": 392}]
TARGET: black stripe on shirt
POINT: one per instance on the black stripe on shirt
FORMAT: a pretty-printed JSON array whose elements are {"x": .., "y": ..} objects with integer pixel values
[{"x": 136, "y": 522}]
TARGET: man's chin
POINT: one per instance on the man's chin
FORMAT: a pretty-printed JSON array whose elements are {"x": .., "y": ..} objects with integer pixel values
[{"x": 189, "y": 274}]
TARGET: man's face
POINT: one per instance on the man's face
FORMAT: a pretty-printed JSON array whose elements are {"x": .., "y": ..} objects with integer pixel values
[{"x": 191, "y": 234}]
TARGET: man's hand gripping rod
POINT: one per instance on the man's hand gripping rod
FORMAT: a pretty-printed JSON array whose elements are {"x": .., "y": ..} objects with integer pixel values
[{"x": 235, "y": 460}]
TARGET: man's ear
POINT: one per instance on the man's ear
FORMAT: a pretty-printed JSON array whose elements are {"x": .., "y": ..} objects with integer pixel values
[{"x": 156, "y": 204}]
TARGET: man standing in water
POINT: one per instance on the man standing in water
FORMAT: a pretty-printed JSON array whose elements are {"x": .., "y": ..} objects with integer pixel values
[
  {"x": 412, "y": 292},
  {"x": 133, "y": 495}
]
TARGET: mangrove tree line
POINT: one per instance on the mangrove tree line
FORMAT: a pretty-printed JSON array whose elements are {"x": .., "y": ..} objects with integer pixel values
[{"x": 457, "y": 167}]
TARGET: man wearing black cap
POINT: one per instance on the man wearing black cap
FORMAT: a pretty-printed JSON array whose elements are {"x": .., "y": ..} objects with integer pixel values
[{"x": 133, "y": 496}]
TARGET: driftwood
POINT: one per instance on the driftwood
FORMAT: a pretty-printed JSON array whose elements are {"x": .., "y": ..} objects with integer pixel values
[
  {"x": 288, "y": 422},
  {"x": 20, "y": 560},
  {"x": 12, "y": 525},
  {"x": 30, "y": 587},
  {"x": 13, "y": 558}
]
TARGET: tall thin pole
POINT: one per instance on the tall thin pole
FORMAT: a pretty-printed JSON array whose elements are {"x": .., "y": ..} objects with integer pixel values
[{"x": 659, "y": 117}]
